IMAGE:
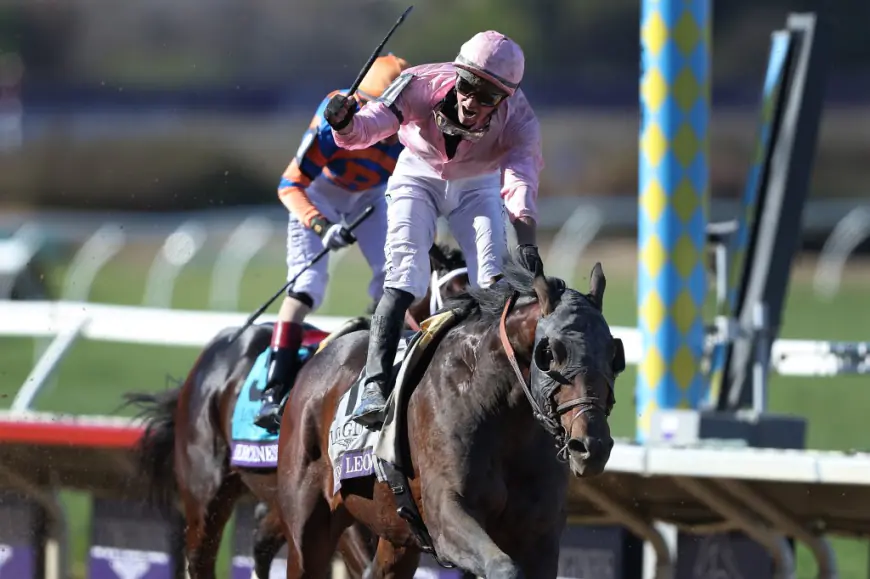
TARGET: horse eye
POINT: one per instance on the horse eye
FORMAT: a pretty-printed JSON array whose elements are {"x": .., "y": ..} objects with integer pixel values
[{"x": 543, "y": 355}]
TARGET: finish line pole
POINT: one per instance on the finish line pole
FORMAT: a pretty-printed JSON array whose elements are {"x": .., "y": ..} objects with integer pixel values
[{"x": 672, "y": 205}]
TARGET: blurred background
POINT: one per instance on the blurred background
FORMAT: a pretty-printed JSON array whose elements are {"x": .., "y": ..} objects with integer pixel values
[{"x": 141, "y": 141}]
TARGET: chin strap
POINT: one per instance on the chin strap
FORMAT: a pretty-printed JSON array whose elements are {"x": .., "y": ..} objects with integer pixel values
[{"x": 449, "y": 127}]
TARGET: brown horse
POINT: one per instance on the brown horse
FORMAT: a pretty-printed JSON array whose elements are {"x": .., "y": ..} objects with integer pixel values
[
  {"x": 186, "y": 446},
  {"x": 529, "y": 365}
]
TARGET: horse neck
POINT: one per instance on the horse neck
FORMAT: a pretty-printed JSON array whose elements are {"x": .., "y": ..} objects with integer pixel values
[{"x": 498, "y": 390}]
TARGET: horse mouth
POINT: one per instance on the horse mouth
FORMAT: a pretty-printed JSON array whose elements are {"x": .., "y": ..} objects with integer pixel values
[{"x": 588, "y": 460}]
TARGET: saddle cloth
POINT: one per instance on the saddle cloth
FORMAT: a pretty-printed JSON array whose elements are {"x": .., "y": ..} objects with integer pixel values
[
  {"x": 251, "y": 446},
  {"x": 357, "y": 451}
]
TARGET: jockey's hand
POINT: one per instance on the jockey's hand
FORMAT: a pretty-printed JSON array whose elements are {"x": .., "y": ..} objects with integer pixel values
[
  {"x": 339, "y": 112},
  {"x": 337, "y": 236},
  {"x": 527, "y": 256}
]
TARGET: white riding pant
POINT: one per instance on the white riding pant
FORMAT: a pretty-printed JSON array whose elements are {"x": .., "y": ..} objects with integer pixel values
[
  {"x": 337, "y": 205},
  {"x": 474, "y": 210}
]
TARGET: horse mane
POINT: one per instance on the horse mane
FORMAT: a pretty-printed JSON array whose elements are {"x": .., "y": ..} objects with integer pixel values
[{"x": 488, "y": 303}]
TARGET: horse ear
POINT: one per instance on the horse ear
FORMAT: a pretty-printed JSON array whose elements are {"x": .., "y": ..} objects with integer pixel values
[
  {"x": 545, "y": 298},
  {"x": 597, "y": 283}
]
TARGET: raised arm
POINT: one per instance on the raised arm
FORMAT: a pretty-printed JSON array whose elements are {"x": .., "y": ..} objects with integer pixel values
[{"x": 375, "y": 121}]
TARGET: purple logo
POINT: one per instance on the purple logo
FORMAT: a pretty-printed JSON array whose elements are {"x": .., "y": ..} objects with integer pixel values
[
  {"x": 17, "y": 561},
  {"x": 255, "y": 454},
  {"x": 114, "y": 563},
  {"x": 353, "y": 464}
]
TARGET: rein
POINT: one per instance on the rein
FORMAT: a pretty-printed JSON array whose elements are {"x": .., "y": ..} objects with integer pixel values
[
  {"x": 412, "y": 323},
  {"x": 550, "y": 422}
]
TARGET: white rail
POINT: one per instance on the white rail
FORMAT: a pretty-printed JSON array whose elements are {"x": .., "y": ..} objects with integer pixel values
[{"x": 194, "y": 328}]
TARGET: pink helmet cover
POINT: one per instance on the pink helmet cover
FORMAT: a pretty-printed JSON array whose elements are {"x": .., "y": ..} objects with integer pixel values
[{"x": 494, "y": 57}]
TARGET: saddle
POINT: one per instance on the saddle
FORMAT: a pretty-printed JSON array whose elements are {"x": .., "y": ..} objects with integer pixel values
[{"x": 383, "y": 451}]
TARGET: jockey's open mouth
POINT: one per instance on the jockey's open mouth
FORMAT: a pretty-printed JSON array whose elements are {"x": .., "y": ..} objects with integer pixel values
[{"x": 467, "y": 115}]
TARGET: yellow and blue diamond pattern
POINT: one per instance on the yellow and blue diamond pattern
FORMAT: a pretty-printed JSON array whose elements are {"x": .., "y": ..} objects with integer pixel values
[{"x": 674, "y": 177}]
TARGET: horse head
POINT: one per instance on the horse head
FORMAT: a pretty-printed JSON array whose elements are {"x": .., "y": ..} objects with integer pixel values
[
  {"x": 572, "y": 363},
  {"x": 575, "y": 362}
]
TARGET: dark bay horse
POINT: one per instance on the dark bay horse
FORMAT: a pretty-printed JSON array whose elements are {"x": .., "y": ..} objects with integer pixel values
[
  {"x": 516, "y": 395},
  {"x": 185, "y": 450}
]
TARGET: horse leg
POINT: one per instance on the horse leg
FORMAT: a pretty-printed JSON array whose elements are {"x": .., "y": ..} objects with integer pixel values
[
  {"x": 268, "y": 539},
  {"x": 540, "y": 555},
  {"x": 311, "y": 530},
  {"x": 391, "y": 562},
  {"x": 356, "y": 549},
  {"x": 460, "y": 538},
  {"x": 206, "y": 526}
]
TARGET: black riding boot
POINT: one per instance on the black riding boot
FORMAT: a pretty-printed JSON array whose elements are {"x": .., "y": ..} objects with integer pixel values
[
  {"x": 386, "y": 329},
  {"x": 283, "y": 365}
]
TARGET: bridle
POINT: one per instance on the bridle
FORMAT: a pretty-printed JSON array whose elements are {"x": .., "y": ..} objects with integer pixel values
[
  {"x": 550, "y": 419},
  {"x": 436, "y": 302}
]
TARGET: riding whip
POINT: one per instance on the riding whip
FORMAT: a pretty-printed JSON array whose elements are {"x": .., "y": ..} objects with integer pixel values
[
  {"x": 377, "y": 53},
  {"x": 356, "y": 222}
]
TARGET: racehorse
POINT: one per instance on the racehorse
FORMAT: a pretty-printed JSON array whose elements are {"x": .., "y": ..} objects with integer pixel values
[
  {"x": 530, "y": 366},
  {"x": 185, "y": 449}
]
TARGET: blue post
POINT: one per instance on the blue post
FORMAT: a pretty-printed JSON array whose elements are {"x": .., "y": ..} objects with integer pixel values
[{"x": 672, "y": 206}]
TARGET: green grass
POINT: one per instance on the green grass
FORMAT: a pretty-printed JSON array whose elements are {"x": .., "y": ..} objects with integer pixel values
[{"x": 94, "y": 375}]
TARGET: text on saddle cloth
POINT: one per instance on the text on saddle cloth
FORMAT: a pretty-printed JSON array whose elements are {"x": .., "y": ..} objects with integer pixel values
[
  {"x": 351, "y": 445},
  {"x": 356, "y": 451},
  {"x": 252, "y": 446}
]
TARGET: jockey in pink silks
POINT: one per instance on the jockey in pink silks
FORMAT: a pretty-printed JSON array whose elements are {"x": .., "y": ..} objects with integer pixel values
[{"x": 472, "y": 150}]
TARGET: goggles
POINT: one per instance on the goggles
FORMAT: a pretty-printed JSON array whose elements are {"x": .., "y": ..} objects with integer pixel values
[{"x": 482, "y": 91}]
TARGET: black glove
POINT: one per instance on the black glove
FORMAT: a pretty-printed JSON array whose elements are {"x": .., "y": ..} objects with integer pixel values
[
  {"x": 527, "y": 256},
  {"x": 332, "y": 235},
  {"x": 337, "y": 106},
  {"x": 320, "y": 225}
]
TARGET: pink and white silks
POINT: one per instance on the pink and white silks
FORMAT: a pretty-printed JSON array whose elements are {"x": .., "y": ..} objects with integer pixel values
[{"x": 472, "y": 190}]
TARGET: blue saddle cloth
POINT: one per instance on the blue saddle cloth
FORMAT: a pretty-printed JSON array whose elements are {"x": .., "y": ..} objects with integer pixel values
[{"x": 253, "y": 446}]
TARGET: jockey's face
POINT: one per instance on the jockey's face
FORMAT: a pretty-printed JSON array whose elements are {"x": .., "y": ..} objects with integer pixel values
[{"x": 476, "y": 99}]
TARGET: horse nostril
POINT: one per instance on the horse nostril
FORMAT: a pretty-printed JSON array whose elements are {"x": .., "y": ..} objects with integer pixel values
[{"x": 577, "y": 446}]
